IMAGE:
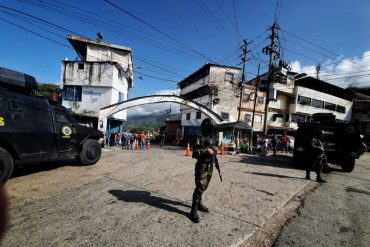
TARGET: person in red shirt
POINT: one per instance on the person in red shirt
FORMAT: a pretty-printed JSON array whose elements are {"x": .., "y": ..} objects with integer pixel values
[{"x": 285, "y": 142}]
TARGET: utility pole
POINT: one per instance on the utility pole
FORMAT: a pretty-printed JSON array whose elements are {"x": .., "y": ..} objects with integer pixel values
[
  {"x": 254, "y": 104},
  {"x": 244, "y": 60},
  {"x": 273, "y": 50},
  {"x": 318, "y": 68}
]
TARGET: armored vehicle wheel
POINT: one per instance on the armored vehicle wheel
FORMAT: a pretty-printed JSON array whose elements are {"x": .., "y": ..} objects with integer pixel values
[
  {"x": 91, "y": 152},
  {"x": 348, "y": 165},
  {"x": 6, "y": 165}
]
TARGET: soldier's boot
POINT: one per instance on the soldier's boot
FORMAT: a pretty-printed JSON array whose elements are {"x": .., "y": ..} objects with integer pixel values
[
  {"x": 319, "y": 179},
  {"x": 194, "y": 212},
  {"x": 202, "y": 208},
  {"x": 308, "y": 177}
]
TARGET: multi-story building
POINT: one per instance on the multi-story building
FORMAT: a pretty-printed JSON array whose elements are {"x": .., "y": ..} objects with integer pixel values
[
  {"x": 214, "y": 86},
  {"x": 253, "y": 101},
  {"x": 295, "y": 100},
  {"x": 100, "y": 76}
]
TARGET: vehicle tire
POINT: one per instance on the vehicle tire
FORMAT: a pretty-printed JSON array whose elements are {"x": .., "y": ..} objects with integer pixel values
[
  {"x": 6, "y": 165},
  {"x": 348, "y": 165},
  {"x": 90, "y": 153}
]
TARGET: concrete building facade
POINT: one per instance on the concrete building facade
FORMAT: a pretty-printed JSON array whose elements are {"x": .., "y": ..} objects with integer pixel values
[
  {"x": 295, "y": 100},
  {"x": 214, "y": 86},
  {"x": 101, "y": 76}
]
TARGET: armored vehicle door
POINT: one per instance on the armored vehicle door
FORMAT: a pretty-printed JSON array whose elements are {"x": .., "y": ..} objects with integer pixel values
[{"x": 64, "y": 132}]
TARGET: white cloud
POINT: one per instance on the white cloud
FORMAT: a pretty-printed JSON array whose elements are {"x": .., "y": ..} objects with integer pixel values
[
  {"x": 149, "y": 109},
  {"x": 342, "y": 71}
]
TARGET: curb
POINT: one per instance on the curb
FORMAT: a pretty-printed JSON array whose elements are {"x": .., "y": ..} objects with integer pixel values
[{"x": 270, "y": 230}]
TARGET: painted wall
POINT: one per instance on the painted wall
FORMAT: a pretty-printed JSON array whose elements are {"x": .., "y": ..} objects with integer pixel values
[{"x": 101, "y": 86}]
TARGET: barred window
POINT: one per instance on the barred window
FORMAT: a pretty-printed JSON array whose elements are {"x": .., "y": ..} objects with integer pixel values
[
  {"x": 198, "y": 115},
  {"x": 72, "y": 93},
  {"x": 229, "y": 76},
  {"x": 317, "y": 103},
  {"x": 188, "y": 116},
  {"x": 304, "y": 100},
  {"x": 329, "y": 106},
  {"x": 247, "y": 117},
  {"x": 341, "y": 109},
  {"x": 260, "y": 100}
]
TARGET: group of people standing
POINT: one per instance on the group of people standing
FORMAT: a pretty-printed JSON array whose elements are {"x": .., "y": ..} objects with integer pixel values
[{"x": 128, "y": 140}]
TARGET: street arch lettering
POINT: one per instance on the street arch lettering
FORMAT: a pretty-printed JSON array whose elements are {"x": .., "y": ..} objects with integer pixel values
[{"x": 2, "y": 122}]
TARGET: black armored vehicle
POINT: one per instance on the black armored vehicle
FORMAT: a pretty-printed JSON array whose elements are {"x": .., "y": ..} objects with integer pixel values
[
  {"x": 36, "y": 130},
  {"x": 342, "y": 142}
]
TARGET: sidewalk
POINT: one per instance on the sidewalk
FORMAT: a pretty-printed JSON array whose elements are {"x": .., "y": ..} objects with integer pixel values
[{"x": 145, "y": 198}]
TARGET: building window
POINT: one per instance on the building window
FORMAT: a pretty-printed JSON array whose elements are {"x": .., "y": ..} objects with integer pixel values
[
  {"x": 248, "y": 117},
  {"x": 120, "y": 74},
  {"x": 225, "y": 115},
  {"x": 304, "y": 100},
  {"x": 72, "y": 93},
  {"x": 229, "y": 76},
  {"x": 188, "y": 116},
  {"x": 257, "y": 118},
  {"x": 329, "y": 106},
  {"x": 121, "y": 97},
  {"x": 341, "y": 109},
  {"x": 260, "y": 100},
  {"x": 198, "y": 115},
  {"x": 81, "y": 66},
  {"x": 317, "y": 103}
]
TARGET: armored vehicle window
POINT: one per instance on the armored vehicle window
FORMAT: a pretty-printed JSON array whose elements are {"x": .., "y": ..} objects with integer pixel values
[{"x": 61, "y": 118}]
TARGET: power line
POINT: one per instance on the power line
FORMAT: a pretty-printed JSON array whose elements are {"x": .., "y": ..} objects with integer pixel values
[
  {"x": 213, "y": 20},
  {"x": 178, "y": 15},
  {"x": 112, "y": 26},
  {"x": 298, "y": 37},
  {"x": 30, "y": 31},
  {"x": 156, "y": 29},
  {"x": 236, "y": 20}
]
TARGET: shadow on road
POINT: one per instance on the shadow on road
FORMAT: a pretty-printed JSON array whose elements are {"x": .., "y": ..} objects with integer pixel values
[
  {"x": 281, "y": 161},
  {"x": 140, "y": 196},
  {"x": 36, "y": 168},
  {"x": 274, "y": 175}
]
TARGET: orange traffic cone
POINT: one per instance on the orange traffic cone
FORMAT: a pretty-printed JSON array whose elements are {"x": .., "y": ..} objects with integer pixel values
[
  {"x": 188, "y": 150},
  {"x": 148, "y": 146},
  {"x": 222, "y": 149}
]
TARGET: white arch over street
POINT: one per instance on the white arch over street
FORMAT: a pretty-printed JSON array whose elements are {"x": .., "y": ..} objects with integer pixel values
[{"x": 107, "y": 111}]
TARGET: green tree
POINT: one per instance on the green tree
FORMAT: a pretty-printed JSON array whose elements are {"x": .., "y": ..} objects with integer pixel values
[{"x": 45, "y": 89}]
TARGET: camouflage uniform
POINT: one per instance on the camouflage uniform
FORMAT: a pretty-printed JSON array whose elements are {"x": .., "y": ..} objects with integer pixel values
[
  {"x": 316, "y": 157},
  {"x": 203, "y": 167}
]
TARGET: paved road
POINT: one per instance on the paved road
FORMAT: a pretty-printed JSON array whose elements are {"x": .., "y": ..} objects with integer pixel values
[
  {"x": 336, "y": 214},
  {"x": 142, "y": 198}
]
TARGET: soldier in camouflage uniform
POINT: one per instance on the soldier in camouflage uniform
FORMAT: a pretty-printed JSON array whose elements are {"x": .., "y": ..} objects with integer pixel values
[
  {"x": 205, "y": 153},
  {"x": 316, "y": 156}
]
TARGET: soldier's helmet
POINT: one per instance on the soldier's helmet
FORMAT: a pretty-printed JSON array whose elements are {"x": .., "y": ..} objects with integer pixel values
[
  {"x": 319, "y": 133},
  {"x": 207, "y": 127}
]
